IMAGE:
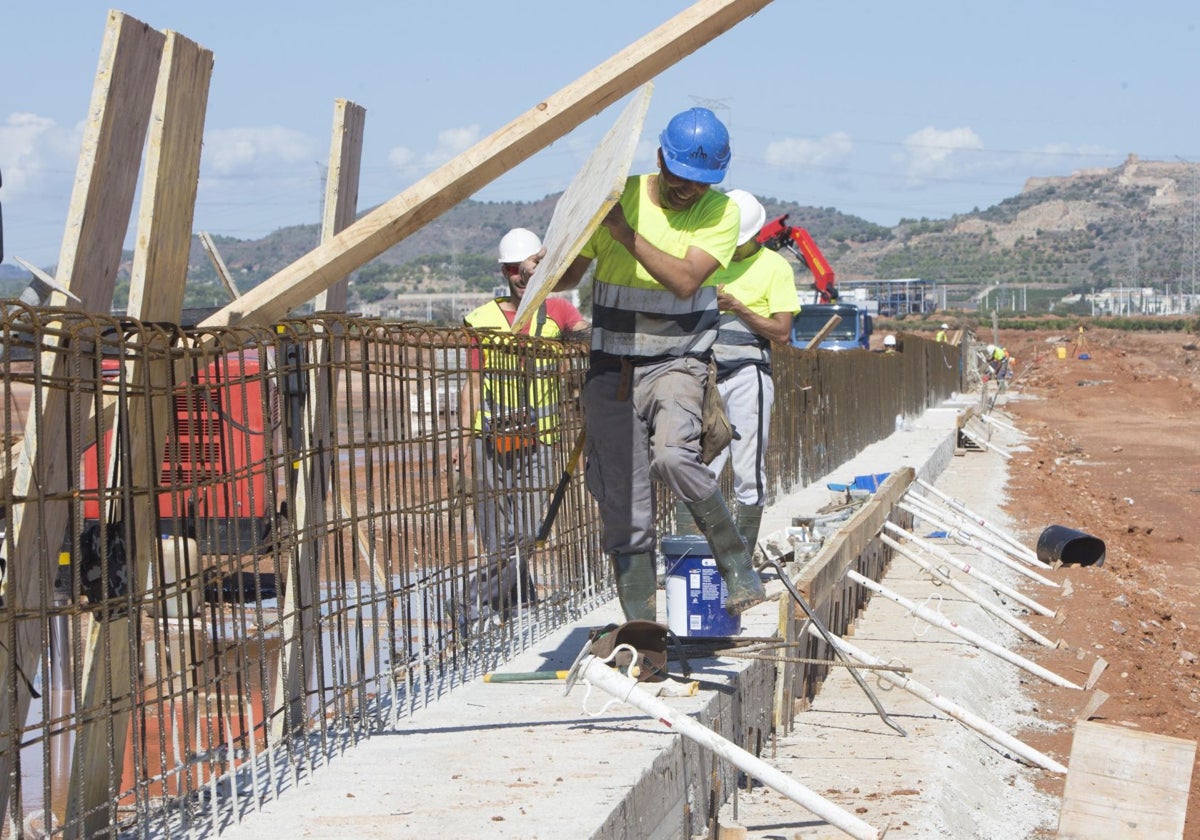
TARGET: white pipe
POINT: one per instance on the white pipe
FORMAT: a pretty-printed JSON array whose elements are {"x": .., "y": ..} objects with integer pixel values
[
  {"x": 939, "y": 620},
  {"x": 1018, "y": 552},
  {"x": 999, "y": 450},
  {"x": 995, "y": 529},
  {"x": 626, "y": 689},
  {"x": 987, "y": 418},
  {"x": 995, "y": 609},
  {"x": 967, "y": 568},
  {"x": 954, "y": 710},
  {"x": 982, "y": 549}
]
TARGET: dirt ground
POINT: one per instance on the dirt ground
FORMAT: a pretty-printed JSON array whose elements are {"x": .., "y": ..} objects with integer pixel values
[{"x": 1115, "y": 453}]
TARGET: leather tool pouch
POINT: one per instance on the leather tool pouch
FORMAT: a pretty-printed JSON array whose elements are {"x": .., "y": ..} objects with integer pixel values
[{"x": 715, "y": 429}]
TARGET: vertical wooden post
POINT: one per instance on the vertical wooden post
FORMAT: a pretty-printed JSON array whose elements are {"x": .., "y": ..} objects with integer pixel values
[
  {"x": 156, "y": 294},
  {"x": 97, "y": 218},
  {"x": 301, "y": 607}
]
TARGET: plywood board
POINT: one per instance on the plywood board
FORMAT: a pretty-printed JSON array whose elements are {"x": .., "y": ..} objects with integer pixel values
[
  {"x": 157, "y": 280},
  {"x": 1125, "y": 783},
  {"x": 583, "y": 205},
  {"x": 487, "y": 160}
]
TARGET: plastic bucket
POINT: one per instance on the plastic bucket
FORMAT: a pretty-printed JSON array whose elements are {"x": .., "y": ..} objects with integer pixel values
[
  {"x": 696, "y": 594},
  {"x": 1061, "y": 351},
  {"x": 1059, "y": 543}
]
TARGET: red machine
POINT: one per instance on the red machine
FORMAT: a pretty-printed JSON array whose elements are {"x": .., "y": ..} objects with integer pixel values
[
  {"x": 778, "y": 234},
  {"x": 215, "y": 465}
]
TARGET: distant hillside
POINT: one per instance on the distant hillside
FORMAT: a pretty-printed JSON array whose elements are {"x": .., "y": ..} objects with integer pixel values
[{"x": 1133, "y": 224}]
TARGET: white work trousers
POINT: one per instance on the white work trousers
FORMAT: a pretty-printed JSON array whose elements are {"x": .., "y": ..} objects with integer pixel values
[
  {"x": 749, "y": 394},
  {"x": 652, "y": 435}
]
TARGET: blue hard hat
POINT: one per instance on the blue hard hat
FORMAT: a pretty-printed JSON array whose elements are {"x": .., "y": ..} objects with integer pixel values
[{"x": 695, "y": 146}]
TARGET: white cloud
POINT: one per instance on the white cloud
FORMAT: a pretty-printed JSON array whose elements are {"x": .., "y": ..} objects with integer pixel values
[
  {"x": 450, "y": 143},
  {"x": 35, "y": 149},
  {"x": 936, "y": 154},
  {"x": 794, "y": 153},
  {"x": 251, "y": 151},
  {"x": 400, "y": 156}
]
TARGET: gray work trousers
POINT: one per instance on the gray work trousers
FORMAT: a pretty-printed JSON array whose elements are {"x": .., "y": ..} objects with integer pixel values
[
  {"x": 653, "y": 434},
  {"x": 749, "y": 394},
  {"x": 511, "y": 491}
]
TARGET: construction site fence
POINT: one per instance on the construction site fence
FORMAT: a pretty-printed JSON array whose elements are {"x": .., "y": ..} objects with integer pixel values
[{"x": 229, "y": 554}]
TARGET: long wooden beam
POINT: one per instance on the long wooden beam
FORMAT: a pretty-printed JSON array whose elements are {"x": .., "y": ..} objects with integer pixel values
[
  {"x": 97, "y": 218},
  {"x": 487, "y": 160}
]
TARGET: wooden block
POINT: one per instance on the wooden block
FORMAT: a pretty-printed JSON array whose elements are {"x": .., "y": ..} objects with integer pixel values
[
  {"x": 1124, "y": 783},
  {"x": 1097, "y": 669},
  {"x": 731, "y": 832},
  {"x": 1093, "y": 704}
]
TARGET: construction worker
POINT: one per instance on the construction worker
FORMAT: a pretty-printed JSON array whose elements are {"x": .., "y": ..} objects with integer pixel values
[
  {"x": 757, "y": 298},
  {"x": 997, "y": 359},
  {"x": 654, "y": 324},
  {"x": 889, "y": 344},
  {"x": 940, "y": 338},
  {"x": 517, "y": 417}
]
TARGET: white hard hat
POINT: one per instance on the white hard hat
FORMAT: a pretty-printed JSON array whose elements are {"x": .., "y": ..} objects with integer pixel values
[
  {"x": 889, "y": 341},
  {"x": 945, "y": 326},
  {"x": 754, "y": 216},
  {"x": 519, "y": 245},
  {"x": 991, "y": 348}
]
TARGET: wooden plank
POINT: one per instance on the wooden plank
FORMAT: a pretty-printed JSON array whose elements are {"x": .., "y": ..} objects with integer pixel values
[
  {"x": 341, "y": 189},
  {"x": 487, "y": 160},
  {"x": 214, "y": 256},
  {"x": 586, "y": 201},
  {"x": 157, "y": 281},
  {"x": 1125, "y": 783},
  {"x": 816, "y": 340},
  {"x": 298, "y": 652},
  {"x": 821, "y": 577},
  {"x": 97, "y": 218}
]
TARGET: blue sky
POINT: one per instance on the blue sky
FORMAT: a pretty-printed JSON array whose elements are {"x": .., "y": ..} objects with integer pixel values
[{"x": 881, "y": 110}]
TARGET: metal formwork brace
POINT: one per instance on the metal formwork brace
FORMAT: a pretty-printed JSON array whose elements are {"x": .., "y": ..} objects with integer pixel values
[
  {"x": 954, "y": 710},
  {"x": 967, "y": 568},
  {"x": 940, "y": 577},
  {"x": 625, "y": 689},
  {"x": 939, "y": 620},
  {"x": 967, "y": 540},
  {"x": 959, "y": 506}
]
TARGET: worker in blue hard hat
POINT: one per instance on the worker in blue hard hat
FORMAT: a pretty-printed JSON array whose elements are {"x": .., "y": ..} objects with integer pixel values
[{"x": 655, "y": 319}]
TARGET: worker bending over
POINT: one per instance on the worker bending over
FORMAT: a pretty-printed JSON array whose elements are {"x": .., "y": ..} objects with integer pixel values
[
  {"x": 654, "y": 323},
  {"x": 757, "y": 298}
]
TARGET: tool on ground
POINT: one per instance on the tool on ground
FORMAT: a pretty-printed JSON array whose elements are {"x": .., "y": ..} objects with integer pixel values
[
  {"x": 816, "y": 622},
  {"x": 523, "y": 676},
  {"x": 622, "y": 687},
  {"x": 561, "y": 490}
]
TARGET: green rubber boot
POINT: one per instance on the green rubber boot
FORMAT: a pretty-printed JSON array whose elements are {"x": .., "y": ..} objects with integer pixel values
[
  {"x": 637, "y": 586},
  {"x": 729, "y": 550},
  {"x": 749, "y": 519}
]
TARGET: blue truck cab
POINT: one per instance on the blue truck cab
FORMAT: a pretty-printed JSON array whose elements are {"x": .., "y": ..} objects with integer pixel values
[{"x": 854, "y": 330}]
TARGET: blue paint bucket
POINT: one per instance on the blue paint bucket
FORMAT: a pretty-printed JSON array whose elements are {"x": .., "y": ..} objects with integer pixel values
[{"x": 696, "y": 593}]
